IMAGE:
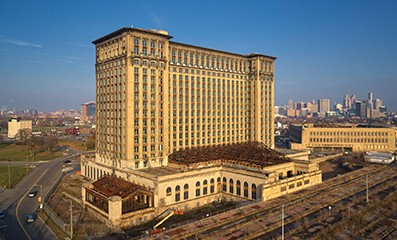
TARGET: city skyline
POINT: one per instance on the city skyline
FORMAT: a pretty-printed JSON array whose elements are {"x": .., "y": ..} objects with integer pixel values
[
  {"x": 323, "y": 49},
  {"x": 334, "y": 100}
]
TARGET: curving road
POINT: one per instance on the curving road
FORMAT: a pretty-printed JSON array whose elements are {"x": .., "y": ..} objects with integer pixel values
[{"x": 17, "y": 204}]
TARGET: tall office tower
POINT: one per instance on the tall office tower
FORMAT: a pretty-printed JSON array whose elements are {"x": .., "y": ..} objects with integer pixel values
[
  {"x": 346, "y": 102},
  {"x": 156, "y": 96},
  {"x": 88, "y": 109},
  {"x": 353, "y": 100},
  {"x": 324, "y": 105},
  {"x": 378, "y": 103},
  {"x": 370, "y": 96},
  {"x": 361, "y": 109},
  {"x": 290, "y": 104}
]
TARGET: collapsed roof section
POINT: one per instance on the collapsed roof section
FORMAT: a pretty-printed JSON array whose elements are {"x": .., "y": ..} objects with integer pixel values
[
  {"x": 115, "y": 186},
  {"x": 248, "y": 154}
]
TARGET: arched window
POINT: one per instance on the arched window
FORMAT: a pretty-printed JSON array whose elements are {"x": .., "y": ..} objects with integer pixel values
[
  {"x": 218, "y": 184},
  {"x": 253, "y": 191},
  {"x": 205, "y": 187},
  {"x": 197, "y": 189},
  {"x": 212, "y": 185},
  {"x": 224, "y": 184},
  {"x": 186, "y": 191},
  {"x": 168, "y": 191},
  {"x": 177, "y": 193},
  {"x": 238, "y": 183},
  {"x": 245, "y": 189},
  {"x": 231, "y": 186}
]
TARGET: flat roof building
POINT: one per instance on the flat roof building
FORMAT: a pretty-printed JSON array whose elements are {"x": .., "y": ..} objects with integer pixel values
[
  {"x": 15, "y": 124},
  {"x": 88, "y": 109},
  {"x": 355, "y": 138}
]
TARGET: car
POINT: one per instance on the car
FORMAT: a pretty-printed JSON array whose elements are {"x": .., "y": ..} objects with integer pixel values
[
  {"x": 2, "y": 214},
  {"x": 30, "y": 218},
  {"x": 67, "y": 161},
  {"x": 32, "y": 194}
]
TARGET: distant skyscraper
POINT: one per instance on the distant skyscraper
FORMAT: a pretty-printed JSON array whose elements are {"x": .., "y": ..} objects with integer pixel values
[
  {"x": 378, "y": 103},
  {"x": 324, "y": 105},
  {"x": 88, "y": 109},
  {"x": 361, "y": 109},
  {"x": 353, "y": 100},
  {"x": 290, "y": 104},
  {"x": 370, "y": 95},
  {"x": 313, "y": 107},
  {"x": 346, "y": 102},
  {"x": 338, "y": 107}
]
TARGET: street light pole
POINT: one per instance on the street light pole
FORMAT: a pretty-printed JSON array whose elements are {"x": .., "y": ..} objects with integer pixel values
[
  {"x": 366, "y": 183},
  {"x": 282, "y": 222},
  {"x": 9, "y": 177},
  {"x": 71, "y": 220}
]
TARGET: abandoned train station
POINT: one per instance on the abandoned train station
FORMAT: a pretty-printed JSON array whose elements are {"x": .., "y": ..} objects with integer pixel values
[
  {"x": 194, "y": 177},
  {"x": 179, "y": 126}
]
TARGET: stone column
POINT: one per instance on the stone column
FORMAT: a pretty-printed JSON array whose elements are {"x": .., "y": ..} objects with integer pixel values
[{"x": 115, "y": 209}]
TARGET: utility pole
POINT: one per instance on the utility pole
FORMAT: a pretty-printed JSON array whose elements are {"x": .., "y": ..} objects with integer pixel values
[
  {"x": 282, "y": 222},
  {"x": 71, "y": 220},
  {"x": 366, "y": 183},
  {"x": 9, "y": 177}
]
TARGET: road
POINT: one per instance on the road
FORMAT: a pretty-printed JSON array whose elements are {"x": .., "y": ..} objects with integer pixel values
[{"x": 17, "y": 204}]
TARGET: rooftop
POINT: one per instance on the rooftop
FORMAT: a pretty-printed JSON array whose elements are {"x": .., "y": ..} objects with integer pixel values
[
  {"x": 249, "y": 153},
  {"x": 160, "y": 171},
  {"x": 131, "y": 29},
  {"x": 115, "y": 186},
  {"x": 163, "y": 33}
]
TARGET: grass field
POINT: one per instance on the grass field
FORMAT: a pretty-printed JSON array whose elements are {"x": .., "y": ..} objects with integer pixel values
[
  {"x": 13, "y": 152},
  {"x": 17, "y": 173},
  {"x": 72, "y": 144}
]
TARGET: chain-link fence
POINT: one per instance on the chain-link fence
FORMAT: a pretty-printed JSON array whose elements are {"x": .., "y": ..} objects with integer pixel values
[
  {"x": 47, "y": 209},
  {"x": 54, "y": 217}
]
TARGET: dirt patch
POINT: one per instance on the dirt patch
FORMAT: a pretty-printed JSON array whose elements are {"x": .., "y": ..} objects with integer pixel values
[{"x": 85, "y": 226}]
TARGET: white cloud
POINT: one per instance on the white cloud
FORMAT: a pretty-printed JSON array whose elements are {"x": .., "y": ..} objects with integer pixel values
[{"x": 22, "y": 43}]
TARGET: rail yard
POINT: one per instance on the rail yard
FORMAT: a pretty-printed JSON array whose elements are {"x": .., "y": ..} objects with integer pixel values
[{"x": 357, "y": 204}]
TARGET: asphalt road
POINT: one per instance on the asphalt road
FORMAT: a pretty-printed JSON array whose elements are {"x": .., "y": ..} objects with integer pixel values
[{"x": 17, "y": 204}]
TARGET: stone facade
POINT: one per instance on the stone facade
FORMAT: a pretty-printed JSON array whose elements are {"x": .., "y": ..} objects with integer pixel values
[
  {"x": 16, "y": 124},
  {"x": 155, "y": 96},
  {"x": 353, "y": 138},
  {"x": 177, "y": 188}
]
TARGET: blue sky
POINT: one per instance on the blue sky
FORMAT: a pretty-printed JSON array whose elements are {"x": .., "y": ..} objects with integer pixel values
[{"x": 324, "y": 49}]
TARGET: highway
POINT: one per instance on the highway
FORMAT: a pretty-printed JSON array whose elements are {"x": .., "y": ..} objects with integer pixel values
[{"x": 17, "y": 204}]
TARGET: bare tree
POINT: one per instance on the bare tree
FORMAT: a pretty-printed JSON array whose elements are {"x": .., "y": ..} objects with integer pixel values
[
  {"x": 23, "y": 135},
  {"x": 90, "y": 143},
  {"x": 51, "y": 143}
]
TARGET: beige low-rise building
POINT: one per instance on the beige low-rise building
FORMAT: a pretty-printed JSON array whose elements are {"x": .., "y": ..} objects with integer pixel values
[
  {"x": 16, "y": 124},
  {"x": 194, "y": 177},
  {"x": 354, "y": 138}
]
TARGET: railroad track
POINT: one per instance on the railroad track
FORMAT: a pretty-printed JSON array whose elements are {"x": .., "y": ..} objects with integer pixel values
[
  {"x": 342, "y": 208},
  {"x": 271, "y": 209},
  {"x": 272, "y": 221}
]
